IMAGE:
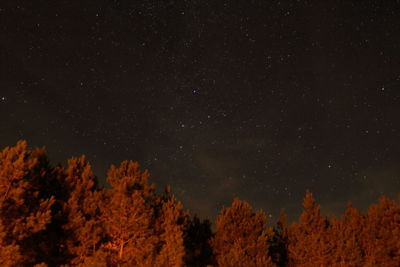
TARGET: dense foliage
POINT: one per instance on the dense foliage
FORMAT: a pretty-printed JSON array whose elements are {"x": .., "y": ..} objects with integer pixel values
[{"x": 61, "y": 216}]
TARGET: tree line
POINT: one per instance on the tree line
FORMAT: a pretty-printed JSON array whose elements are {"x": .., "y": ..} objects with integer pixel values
[{"x": 62, "y": 216}]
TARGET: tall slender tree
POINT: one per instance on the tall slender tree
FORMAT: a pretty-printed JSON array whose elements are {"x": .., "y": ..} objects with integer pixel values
[
  {"x": 198, "y": 249},
  {"x": 83, "y": 231},
  {"x": 279, "y": 243},
  {"x": 24, "y": 212},
  {"x": 241, "y": 237},
  {"x": 170, "y": 223},
  {"x": 345, "y": 235},
  {"x": 127, "y": 215},
  {"x": 308, "y": 243}
]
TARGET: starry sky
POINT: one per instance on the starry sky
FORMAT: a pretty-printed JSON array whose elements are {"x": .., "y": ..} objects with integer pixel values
[{"x": 260, "y": 100}]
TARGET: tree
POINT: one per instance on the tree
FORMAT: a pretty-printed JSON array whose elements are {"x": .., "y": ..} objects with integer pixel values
[
  {"x": 197, "y": 236},
  {"x": 241, "y": 237},
  {"x": 345, "y": 236},
  {"x": 278, "y": 248},
  {"x": 24, "y": 212},
  {"x": 308, "y": 242},
  {"x": 127, "y": 217},
  {"x": 83, "y": 231},
  {"x": 171, "y": 221},
  {"x": 381, "y": 234}
]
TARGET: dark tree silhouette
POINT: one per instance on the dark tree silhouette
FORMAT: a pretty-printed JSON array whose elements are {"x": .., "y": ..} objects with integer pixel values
[{"x": 197, "y": 236}]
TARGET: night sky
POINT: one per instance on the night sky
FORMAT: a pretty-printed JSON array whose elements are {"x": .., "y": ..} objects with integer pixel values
[{"x": 259, "y": 100}]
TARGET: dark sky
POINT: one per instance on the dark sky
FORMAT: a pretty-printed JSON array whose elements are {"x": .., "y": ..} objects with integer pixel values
[{"x": 260, "y": 100}]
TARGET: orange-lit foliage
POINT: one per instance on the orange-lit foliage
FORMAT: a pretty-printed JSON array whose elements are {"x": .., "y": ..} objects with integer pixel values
[
  {"x": 127, "y": 216},
  {"x": 141, "y": 228},
  {"x": 170, "y": 223},
  {"x": 23, "y": 210},
  {"x": 381, "y": 234},
  {"x": 83, "y": 226},
  {"x": 355, "y": 239},
  {"x": 345, "y": 234},
  {"x": 308, "y": 241},
  {"x": 55, "y": 216},
  {"x": 241, "y": 237}
]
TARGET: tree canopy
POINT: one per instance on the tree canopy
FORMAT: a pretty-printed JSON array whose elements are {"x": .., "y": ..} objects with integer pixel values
[{"x": 62, "y": 216}]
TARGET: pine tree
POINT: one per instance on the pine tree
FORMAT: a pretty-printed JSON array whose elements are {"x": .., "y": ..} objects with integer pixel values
[
  {"x": 241, "y": 237},
  {"x": 279, "y": 242},
  {"x": 345, "y": 234},
  {"x": 24, "y": 212},
  {"x": 80, "y": 207},
  {"x": 127, "y": 215},
  {"x": 197, "y": 236},
  {"x": 381, "y": 234},
  {"x": 171, "y": 221},
  {"x": 308, "y": 242}
]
